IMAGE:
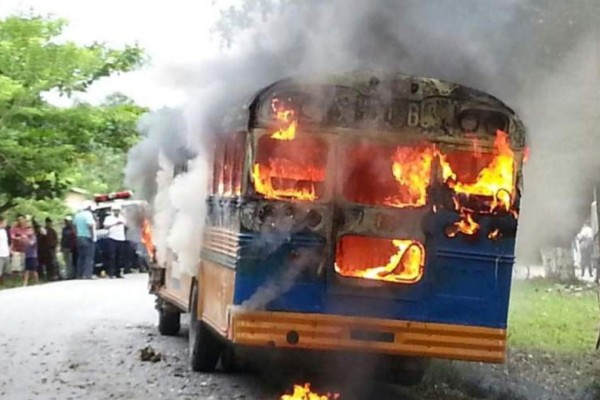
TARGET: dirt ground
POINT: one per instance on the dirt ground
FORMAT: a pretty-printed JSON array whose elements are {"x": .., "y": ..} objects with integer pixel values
[{"x": 82, "y": 340}]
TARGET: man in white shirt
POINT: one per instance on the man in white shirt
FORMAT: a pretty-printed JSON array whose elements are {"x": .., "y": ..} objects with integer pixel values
[
  {"x": 115, "y": 224},
  {"x": 4, "y": 251}
]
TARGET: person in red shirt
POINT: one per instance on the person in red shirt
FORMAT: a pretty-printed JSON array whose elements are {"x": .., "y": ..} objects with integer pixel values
[{"x": 19, "y": 242}]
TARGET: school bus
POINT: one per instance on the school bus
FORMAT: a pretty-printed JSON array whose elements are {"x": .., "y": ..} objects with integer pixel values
[{"x": 355, "y": 213}]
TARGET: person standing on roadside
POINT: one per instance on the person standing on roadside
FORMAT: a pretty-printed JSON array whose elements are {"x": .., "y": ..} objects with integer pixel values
[
  {"x": 39, "y": 235},
  {"x": 18, "y": 245},
  {"x": 48, "y": 242},
  {"x": 85, "y": 231},
  {"x": 31, "y": 258},
  {"x": 115, "y": 224},
  {"x": 68, "y": 244},
  {"x": 4, "y": 251}
]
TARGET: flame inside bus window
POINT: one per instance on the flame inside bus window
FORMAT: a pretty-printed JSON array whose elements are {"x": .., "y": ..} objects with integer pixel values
[
  {"x": 488, "y": 175},
  {"x": 291, "y": 169},
  {"x": 397, "y": 176},
  {"x": 389, "y": 260},
  {"x": 466, "y": 165}
]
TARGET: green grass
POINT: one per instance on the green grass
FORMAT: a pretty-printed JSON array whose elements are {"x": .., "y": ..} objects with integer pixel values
[
  {"x": 545, "y": 316},
  {"x": 10, "y": 283}
]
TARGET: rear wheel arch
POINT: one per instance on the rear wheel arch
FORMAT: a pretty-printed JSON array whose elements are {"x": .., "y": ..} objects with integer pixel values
[
  {"x": 193, "y": 285},
  {"x": 205, "y": 347}
]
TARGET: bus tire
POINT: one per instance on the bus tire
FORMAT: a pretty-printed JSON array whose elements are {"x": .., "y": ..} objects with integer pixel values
[
  {"x": 169, "y": 321},
  {"x": 229, "y": 360},
  {"x": 205, "y": 347}
]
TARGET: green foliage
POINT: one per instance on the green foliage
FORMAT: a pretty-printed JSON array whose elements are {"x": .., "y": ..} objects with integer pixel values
[
  {"x": 40, "y": 143},
  {"x": 100, "y": 172},
  {"x": 40, "y": 209},
  {"x": 546, "y": 316}
]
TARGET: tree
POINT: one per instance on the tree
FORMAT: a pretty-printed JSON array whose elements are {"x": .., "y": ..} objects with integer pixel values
[
  {"x": 100, "y": 172},
  {"x": 39, "y": 142}
]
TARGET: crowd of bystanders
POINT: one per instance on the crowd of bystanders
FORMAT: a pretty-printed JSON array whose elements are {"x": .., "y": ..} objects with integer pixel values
[{"x": 30, "y": 251}]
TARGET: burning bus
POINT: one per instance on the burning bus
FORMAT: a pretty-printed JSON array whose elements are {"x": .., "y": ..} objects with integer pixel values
[{"x": 355, "y": 213}]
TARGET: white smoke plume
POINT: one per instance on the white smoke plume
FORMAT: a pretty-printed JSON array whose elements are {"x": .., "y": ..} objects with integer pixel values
[
  {"x": 163, "y": 209},
  {"x": 185, "y": 235},
  {"x": 540, "y": 56}
]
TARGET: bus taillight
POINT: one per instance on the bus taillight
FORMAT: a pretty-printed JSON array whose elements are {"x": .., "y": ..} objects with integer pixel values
[{"x": 389, "y": 260}]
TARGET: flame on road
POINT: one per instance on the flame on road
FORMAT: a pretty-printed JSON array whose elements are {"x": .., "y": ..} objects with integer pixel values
[{"x": 303, "y": 392}]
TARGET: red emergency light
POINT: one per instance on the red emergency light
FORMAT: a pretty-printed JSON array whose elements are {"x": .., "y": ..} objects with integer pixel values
[{"x": 113, "y": 196}]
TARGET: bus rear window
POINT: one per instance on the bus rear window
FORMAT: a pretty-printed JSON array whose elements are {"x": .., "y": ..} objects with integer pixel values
[
  {"x": 291, "y": 169},
  {"x": 467, "y": 165},
  {"x": 486, "y": 178},
  {"x": 397, "y": 176}
]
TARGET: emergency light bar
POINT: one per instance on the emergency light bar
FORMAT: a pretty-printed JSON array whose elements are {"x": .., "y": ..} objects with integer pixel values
[{"x": 113, "y": 196}]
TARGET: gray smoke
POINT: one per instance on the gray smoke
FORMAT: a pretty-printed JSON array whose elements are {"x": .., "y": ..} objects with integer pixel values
[
  {"x": 540, "y": 56},
  {"x": 163, "y": 132}
]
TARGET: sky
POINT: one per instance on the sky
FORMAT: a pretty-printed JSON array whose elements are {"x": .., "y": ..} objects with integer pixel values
[{"x": 174, "y": 32}]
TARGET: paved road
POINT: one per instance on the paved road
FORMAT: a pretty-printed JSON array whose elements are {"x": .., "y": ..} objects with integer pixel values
[{"x": 82, "y": 339}]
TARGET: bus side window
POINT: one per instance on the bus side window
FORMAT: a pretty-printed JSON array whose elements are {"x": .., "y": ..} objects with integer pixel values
[
  {"x": 210, "y": 178},
  {"x": 238, "y": 162},
  {"x": 228, "y": 166},
  {"x": 218, "y": 186}
]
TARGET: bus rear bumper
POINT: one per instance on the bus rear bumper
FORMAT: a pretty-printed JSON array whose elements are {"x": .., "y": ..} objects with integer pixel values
[{"x": 340, "y": 333}]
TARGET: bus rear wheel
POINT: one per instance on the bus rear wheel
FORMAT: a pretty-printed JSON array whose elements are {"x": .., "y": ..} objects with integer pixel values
[
  {"x": 205, "y": 347},
  {"x": 230, "y": 361},
  {"x": 169, "y": 321}
]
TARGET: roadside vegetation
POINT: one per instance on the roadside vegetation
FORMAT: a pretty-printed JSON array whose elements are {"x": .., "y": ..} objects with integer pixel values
[
  {"x": 46, "y": 149},
  {"x": 554, "y": 317},
  {"x": 552, "y": 334}
]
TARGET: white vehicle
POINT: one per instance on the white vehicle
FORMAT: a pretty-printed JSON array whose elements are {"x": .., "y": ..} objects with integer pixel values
[{"x": 134, "y": 212}]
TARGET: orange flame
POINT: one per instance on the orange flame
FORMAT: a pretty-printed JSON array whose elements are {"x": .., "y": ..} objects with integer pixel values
[
  {"x": 495, "y": 234},
  {"x": 303, "y": 392},
  {"x": 284, "y": 172},
  {"x": 466, "y": 225},
  {"x": 262, "y": 175},
  {"x": 147, "y": 237},
  {"x": 286, "y": 118},
  {"x": 405, "y": 265},
  {"x": 412, "y": 171},
  {"x": 496, "y": 180}
]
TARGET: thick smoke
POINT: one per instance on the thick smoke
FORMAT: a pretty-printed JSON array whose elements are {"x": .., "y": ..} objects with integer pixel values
[
  {"x": 163, "y": 132},
  {"x": 540, "y": 56}
]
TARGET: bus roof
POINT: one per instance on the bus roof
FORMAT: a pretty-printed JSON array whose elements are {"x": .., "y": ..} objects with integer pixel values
[{"x": 353, "y": 99}]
